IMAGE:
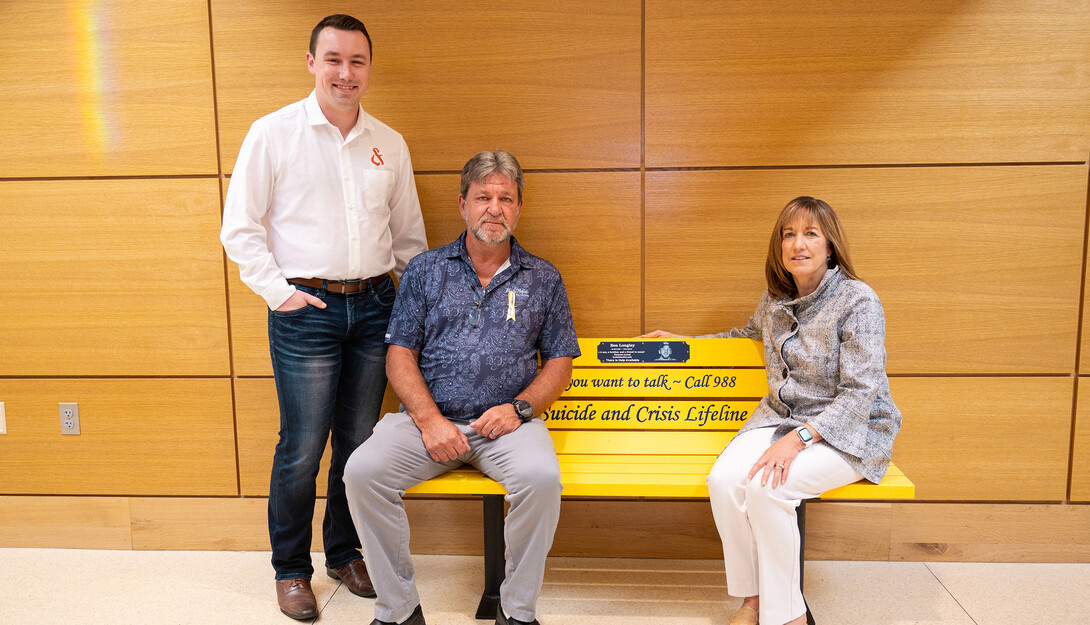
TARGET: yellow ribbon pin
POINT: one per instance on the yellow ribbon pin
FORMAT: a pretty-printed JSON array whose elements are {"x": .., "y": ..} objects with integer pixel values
[{"x": 510, "y": 305}]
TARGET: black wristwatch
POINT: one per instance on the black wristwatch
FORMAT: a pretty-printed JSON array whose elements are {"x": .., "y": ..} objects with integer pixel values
[{"x": 523, "y": 409}]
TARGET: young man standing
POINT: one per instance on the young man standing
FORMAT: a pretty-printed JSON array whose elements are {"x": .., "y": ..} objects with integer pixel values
[{"x": 322, "y": 206}]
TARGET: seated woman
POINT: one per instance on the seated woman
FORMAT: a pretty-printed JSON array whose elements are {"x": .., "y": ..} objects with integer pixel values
[{"x": 827, "y": 421}]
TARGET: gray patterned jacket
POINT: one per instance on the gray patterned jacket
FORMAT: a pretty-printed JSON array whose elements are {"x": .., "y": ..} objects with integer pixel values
[{"x": 825, "y": 358}]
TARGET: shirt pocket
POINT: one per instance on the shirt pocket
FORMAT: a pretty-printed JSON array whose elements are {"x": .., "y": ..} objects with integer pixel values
[
  {"x": 378, "y": 186},
  {"x": 529, "y": 317}
]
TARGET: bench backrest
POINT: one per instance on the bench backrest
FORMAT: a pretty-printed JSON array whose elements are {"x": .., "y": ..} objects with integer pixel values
[{"x": 657, "y": 396}]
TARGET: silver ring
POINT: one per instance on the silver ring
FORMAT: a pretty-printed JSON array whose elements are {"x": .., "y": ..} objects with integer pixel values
[
  {"x": 779, "y": 465},
  {"x": 492, "y": 434}
]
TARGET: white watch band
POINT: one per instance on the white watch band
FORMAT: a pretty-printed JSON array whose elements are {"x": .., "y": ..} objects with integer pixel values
[{"x": 804, "y": 435}]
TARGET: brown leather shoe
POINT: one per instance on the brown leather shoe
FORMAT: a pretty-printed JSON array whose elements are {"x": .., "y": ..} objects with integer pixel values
[
  {"x": 355, "y": 578},
  {"x": 296, "y": 599}
]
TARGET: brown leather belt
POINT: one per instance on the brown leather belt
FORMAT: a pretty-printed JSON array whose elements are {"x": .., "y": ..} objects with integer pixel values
[{"x": 340, "y": 286}]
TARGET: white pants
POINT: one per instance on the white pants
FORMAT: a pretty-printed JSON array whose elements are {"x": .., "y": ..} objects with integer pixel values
[{"x": 757, "y": 523}]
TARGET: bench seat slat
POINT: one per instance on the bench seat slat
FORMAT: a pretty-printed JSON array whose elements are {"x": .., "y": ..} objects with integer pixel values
[
  {"x": 640, "y": 459},
  {"x": 651, "y": 465},
  {"x": 639, "y": 443},
  {"x": 693, "y": 466},
  {"x": 464, "y": 481},
  {"x": 660, "y": 459},
  {"x": 893, "y": 486},
  {"x": 602, "y": 483}
]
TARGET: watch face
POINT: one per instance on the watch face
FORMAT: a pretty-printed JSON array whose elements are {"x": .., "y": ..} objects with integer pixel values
[{"x": 524, "y": 409}]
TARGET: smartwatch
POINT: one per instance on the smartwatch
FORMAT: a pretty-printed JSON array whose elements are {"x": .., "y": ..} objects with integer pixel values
[
  {"x": 523, "y": 409},
  {"x": 805, "y": 435}
]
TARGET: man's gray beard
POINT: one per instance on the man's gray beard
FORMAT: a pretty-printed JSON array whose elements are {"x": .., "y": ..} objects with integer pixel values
[{"x": 478, "y": 232}]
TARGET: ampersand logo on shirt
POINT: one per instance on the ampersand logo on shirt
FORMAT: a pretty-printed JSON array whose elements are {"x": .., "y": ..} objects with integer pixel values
[{"x": 377, "y": 158}]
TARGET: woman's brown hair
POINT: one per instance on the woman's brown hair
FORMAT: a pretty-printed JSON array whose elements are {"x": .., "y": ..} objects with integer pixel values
[{"x": 780, "y": 281}]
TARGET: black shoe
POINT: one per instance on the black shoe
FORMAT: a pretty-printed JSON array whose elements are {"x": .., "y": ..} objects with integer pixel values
[
  {"x": 503, "y": 619},
  {"x": 416, "y": 618}
]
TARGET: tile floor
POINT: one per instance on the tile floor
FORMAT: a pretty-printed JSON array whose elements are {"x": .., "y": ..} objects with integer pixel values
[{"x": 76, "y": 587}]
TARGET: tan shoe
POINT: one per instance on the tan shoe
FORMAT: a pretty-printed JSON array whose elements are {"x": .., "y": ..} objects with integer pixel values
[
  {"x": 355, "y": 578},
  {"x": 744, "y": 616},
  {"x": 296, "y": 599}
]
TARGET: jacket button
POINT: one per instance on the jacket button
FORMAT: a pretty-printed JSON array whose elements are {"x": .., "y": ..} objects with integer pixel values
[{"x": 785, "y": 372}]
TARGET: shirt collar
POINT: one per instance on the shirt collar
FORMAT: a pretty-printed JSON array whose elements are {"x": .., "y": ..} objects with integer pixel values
[
  {"x": 827, "y": 284},
  {"x": 316, "y": 117},
  {"x": 518, "y": 255}
]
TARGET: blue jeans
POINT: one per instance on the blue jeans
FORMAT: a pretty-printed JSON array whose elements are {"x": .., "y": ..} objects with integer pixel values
[{"x": 330, "y": 370}]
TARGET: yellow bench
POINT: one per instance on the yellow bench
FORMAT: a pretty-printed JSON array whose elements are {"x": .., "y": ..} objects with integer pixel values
[{"x": 644, "y": 418}]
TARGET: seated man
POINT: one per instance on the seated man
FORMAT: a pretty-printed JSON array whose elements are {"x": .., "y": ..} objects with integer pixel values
[{"x": 467, "y": 326}]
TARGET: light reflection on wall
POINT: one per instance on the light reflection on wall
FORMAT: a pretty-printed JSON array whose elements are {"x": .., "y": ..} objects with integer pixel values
[{"x": 90, "y": 31}]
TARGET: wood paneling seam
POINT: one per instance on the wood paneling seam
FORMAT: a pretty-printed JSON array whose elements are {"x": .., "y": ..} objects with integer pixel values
[{"x": 1078, "y": 346}]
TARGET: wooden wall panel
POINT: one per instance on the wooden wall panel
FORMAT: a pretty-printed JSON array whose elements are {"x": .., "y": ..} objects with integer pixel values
[
  {"x": 208, "y": 524},
  {"x": 845, "y": 82},
  {"x": 978, "y": 268},
  {"x": 119, "y": 98},
  {"x": 434, "y": 525},
  {"x": 558, "y": 84},
  {"x": 249, "y": 327},
  {"x": 1084, "y": 347},
  {"x": 847, "y": 531},
  {"x": 1080, "y": 458},
  {"x": 442, "y": 526},
  {"x": 685, "y": 529},
  {"x": 927, "y": 532},
  {"x": 257, "y": 415},
  {"x": 980, "y": 439},
  {"x": 636, "y": 529},
  {"x": 112, "y": 277},
  {"x": 138, "y": 437},
  {"x": 990, "y": 533},
  {"x": 65, "y": 523}
]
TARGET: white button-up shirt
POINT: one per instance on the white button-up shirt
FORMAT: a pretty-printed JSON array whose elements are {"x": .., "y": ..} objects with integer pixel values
[{"x": 306, "y": 203}]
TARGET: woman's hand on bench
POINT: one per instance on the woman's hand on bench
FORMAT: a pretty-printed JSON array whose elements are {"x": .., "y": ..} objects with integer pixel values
[{"x": 663, "y": 334}]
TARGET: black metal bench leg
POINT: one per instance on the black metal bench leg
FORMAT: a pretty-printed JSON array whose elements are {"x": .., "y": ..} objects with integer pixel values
[
  {"x": 800, "y": 516},
  {"x": 493, "y": 556}
]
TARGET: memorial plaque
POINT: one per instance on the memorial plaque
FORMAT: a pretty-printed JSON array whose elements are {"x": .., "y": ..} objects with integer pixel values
[{"x": 643, "y": 351}]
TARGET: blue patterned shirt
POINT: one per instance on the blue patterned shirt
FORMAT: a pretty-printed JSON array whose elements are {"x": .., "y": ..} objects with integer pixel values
[{"x": 479, "y": 347}]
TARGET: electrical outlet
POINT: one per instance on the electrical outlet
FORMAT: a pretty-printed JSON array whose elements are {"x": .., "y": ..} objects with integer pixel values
[
  {"x": 3, "y": 419},
  {"x": 69, "y": 417}
]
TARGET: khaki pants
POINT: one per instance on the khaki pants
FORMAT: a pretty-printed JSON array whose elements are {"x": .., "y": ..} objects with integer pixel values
[{"x": 394, "y": 459}]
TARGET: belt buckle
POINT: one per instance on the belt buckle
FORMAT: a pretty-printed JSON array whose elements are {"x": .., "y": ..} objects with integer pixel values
[{"x": 357, "y": 281}]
